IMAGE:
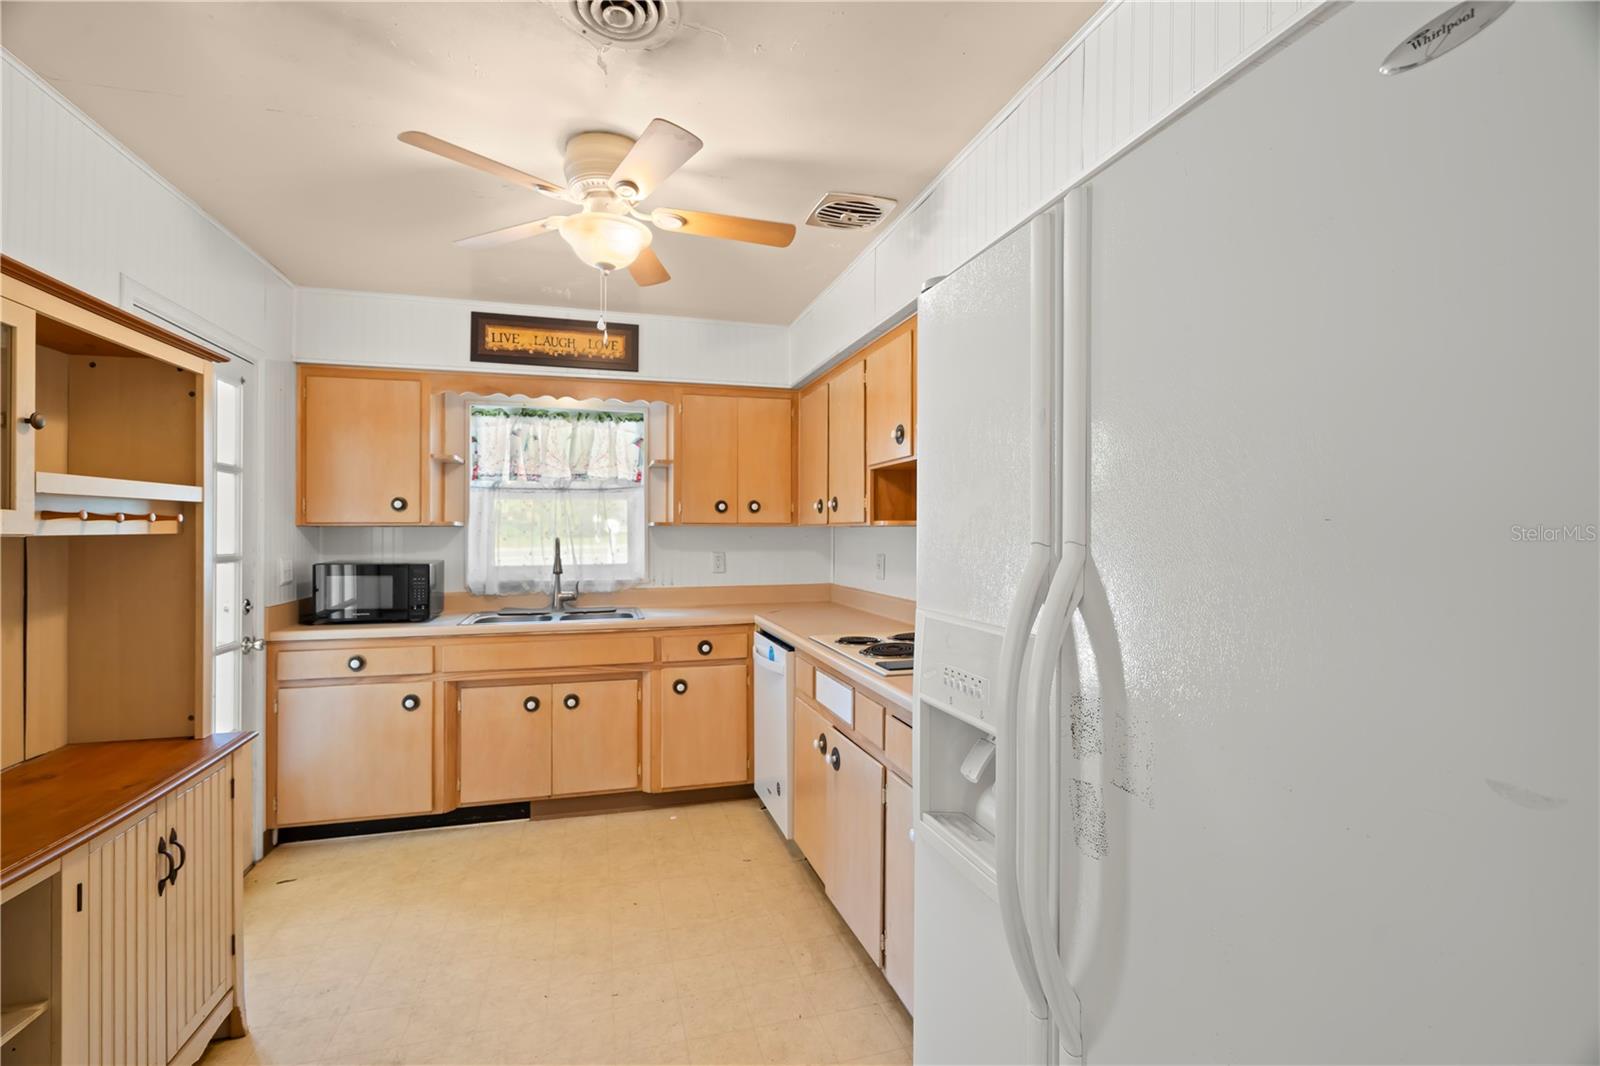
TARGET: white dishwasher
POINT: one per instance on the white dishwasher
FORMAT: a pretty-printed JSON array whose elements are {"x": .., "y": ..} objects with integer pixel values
[{"x": 774, "y": 691}]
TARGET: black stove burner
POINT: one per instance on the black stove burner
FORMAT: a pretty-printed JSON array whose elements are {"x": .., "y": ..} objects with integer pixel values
[
  {"x": 891, "y": 649},
  {"x": 908, "y": 637},
  {"x": 856, "y": 640}
]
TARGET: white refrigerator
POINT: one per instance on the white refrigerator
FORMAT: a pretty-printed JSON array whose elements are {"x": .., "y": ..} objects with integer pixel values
[{"x": 1260, "y": 481}]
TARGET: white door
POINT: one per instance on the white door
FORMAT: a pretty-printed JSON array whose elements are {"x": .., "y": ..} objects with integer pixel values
[{"x": 236, "y": 679}]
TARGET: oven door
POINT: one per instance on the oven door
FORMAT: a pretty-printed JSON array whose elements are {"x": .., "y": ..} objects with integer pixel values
[{"x": 360, "y": 592}]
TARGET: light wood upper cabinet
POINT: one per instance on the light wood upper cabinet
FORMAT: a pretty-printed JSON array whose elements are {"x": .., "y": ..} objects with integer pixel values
[
  {"x": 898, "y": 863},
  {"x": 594, "y": 739},
  {"x": 704, "y": 725},
  {"x": 847, "y": 462},
  {"x": 766, "y": 460},
  {"x": 855, "y": 849},
  {"x": 363, "y": 449},
  {"x": 812, "y": 832},
  {"x": 354, "y": 751},
  {"x": 708, "y": 459},
  {"x": 812, "y": 490},
  {"x": 505, "y": 742},
  {"x": 891, "y": 391}
]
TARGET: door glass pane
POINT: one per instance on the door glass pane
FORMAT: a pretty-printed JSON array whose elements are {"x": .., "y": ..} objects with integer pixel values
[
  {"x": 8, "y": 355},
  {"x": 229, "y": 437},
  {"x": 228, "y": 519},
  {"x": 225, "y": 692},
  {"x": 228, "y": 596}
]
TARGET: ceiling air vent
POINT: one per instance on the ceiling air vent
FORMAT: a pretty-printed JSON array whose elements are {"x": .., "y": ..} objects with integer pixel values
[
  {"x": 850, "y": 210},
  {"x": 637, "y": 24}
]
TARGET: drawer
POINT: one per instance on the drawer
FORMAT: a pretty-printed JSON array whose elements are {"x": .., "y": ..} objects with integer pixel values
[
  {"x": 897, "y": 744},
  {"x": 713, "y": 644},
  {"x": 869, "y": 720},
  {"x": 546, "y": 653},
  {"x": 836, "y": 696},
  {"x": 379, "y": 660}
]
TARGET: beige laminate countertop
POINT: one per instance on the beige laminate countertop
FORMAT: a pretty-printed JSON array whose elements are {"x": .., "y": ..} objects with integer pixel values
[{"x": 795, "y": 623}]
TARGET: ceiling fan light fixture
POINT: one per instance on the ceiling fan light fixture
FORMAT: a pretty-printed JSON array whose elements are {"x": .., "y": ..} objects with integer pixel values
[
  {"x": 604, "y": 241},
  {"x": 668, "y": 220}
]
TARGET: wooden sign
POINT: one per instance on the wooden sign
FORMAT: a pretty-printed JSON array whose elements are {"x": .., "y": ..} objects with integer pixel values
[{"x": 566, "y": 342}]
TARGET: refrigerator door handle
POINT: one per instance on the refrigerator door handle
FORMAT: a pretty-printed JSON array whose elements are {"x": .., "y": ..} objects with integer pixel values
[{"x": 1033, "y": 733}]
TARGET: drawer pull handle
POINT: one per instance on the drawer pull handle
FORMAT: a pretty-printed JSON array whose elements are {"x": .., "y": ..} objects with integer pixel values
[
  {"x": 356, "y": 663},
  {"x": 680, "y": 686},
  {"x": 411, "y": 701},
  {"x": 161, "y": 881},
  {"x": 900, "y": 434},
  {"x": 704, "y": 647},
  {"x": 755, "y": 506},
  {"x": 833, "y": 760},
  {"x": 397, "y": 504},
  {"x": 571, "y": 701},
  {"x": 183, "y": 855},
  {"x": 722, "y": 506},
  {"x": 531, "y": 704}
]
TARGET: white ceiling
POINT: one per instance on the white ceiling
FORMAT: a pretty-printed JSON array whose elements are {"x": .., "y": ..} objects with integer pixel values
[{"x": 280, "y": 120}]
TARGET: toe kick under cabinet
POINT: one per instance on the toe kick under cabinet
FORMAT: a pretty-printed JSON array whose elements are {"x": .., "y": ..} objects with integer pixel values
[{"x": 399, "y": 727}]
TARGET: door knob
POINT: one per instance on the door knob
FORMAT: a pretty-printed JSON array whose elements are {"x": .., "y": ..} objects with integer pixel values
[
  {"x": 833, "y": 760},
  {"x": 722, "y": 506},
  {"x": 821, "y": 743},
  {"x": 36, "y": 420},
  {"x": 755, "y": 506},
  {"x": 571, "y": 701},
  {"x": 531, "y": 704},
  {"x": 411, "y": 701},
  {"x": 900, "y": 434},
  {"x": 833, "y": 504},
  {"x": 397, "y": 504},
  {"x": 680, "y": 686},
  {"x": 250, "y": 644},
  {"x": 818, "y": 505}
]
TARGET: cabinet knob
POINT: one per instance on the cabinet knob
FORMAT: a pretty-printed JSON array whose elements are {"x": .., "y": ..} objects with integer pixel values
[
  {"x": 755, "y": 506},
  {"x": 722, "y": 506},
  {"x": 900, "y": 434},
  {"x": 833, "y": 504},
  {"x": 833, "y": 760},
  {"x": 397, "y": 504},
  {"x": 680, "y": 686},
  {"x": 819, "y": 505},
  {"x": 411, "y": 701},
  {"x": 531, "y": 704},
  {"x": 356, "y": 663},
  {"x": 36, "y": 420},
  {"x": 571, "y": 701},
  {"x": 821, "y": 743},
  {"x": 704, "y": 647}
]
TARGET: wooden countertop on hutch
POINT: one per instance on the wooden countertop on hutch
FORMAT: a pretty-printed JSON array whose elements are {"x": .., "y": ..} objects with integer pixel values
[{"x": 59, "y": 800}]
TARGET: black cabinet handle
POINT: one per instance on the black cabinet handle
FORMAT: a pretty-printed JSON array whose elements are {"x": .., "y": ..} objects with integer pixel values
[
  {"x": 571, "y": 701},
  {"x": 680, "y": 686},
  {"x": 755, "y": 506},
  {"x": 722, "y": 506},
  {"x": 833, "y": 760},
  {"x": 36, "y": 420},
  {"x": 183, "y": 856},
  {"x": 900, "y": 434},
  {"x": 397, "y": 504},
  {"x": 410, "y": 701},
  {"x": 531, "y": 704},
  {"x": 161, "y": 881},
  {"x": 833, "y": 504},
  {"x": 821, "y": 744},
  {"x": 819, "y": 505},
  {"x": 704, "y": 647}
]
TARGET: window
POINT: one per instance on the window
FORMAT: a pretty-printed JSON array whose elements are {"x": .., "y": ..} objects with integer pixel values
[{"x": 542, "y": 472}]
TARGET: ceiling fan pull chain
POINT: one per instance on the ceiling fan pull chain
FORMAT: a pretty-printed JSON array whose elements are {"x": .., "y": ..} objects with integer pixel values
[{"x": 605, "y": 335}]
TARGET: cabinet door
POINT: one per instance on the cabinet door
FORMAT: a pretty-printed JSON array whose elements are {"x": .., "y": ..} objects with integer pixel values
[
  {"x": 766, "y": 460},
  {"x": 123, "y": 890},
  {"x": 199, "y": 901},
  {"x": 898, "y": 858},
  {"x": 812, "y": 488},
  {"x": 855, "y": 840},
  {"x": 889, "y": 398},
  {"x": 17, "y": 324},
  {"x": 810, "y": 783},
  {"x": 708, "y": 458},
  {"x": 354, "y": 751},
  {"x": 705, "y": 725},
  {"x": 505, "y": 743},
  {"x": 362, "y": 450},
  {"x": 594, "y": 738},
  {"x": 847, "y": 456}
]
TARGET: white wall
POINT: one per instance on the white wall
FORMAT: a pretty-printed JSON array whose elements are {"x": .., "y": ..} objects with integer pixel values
[{"x": 855, "y": 552}]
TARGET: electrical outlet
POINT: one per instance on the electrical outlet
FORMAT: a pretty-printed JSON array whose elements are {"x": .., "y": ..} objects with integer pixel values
[
  {"x": 285, "y": 571},
  {"x": 881, "y": 566},
  {"x": 719, "y": 562}
]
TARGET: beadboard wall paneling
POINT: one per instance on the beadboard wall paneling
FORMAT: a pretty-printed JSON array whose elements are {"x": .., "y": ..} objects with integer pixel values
[
  {"x": 380, "y": 329},
  {"x": 1130, "y": 70}
]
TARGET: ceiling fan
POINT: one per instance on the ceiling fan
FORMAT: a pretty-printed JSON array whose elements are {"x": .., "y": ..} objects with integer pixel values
[{"x": 609, "y": 175}]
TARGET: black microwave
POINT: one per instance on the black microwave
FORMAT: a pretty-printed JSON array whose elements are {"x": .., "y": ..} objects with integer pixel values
[{"x": 374, "y": 592}]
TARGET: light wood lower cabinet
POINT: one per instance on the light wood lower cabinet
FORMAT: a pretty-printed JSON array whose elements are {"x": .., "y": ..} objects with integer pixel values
[
  {"x": 705, "y": 725},
  {"x": 124, "y": 888},
  {"x": 855, "y": 840},
  {"x": 809, "y": 781},
  {"x": 199, "y": 902},
  {"x": 505, "y": 742},
  {"x": 354, "y": 751},
  {"x": 899, "y": 856},
  {"x": 594, "y": 737}
]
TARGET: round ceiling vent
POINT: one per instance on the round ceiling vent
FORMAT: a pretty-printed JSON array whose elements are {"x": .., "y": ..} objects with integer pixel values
[{"x": 640, "y": 24}]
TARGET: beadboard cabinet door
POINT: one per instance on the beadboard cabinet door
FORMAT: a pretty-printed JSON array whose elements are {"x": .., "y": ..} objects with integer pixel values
[
  {"x": 198, "y": 821},
  {"x": 124, "y": 886}
]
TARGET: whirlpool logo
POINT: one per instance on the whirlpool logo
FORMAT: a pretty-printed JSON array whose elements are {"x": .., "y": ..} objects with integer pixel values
[{"x": 1450, "y": 30}]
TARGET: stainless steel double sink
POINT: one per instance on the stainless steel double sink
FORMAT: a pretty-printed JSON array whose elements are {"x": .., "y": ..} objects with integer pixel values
[{"x": 525, "y": 615}]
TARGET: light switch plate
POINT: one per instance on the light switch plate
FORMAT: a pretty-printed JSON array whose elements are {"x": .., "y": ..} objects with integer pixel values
[
  {"x": 285, "y": 571},
  {"x": 719, "y": 562},
  {"x": 881, "y": 567}
]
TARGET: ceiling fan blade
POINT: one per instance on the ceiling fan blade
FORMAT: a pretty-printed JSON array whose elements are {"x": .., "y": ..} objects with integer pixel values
[
  {"x": 727, "y": 227},
  {"x": 457, "y": 154},
  {"x": 647, "y": 269},
  {"x": 511, "y": 233},
  {"x": 659, "y": 151}
]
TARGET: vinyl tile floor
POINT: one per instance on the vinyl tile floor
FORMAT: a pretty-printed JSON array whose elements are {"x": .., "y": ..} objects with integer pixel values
[{"x": 686, "y": 935}]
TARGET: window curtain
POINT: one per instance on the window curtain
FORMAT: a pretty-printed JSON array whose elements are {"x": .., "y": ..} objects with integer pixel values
[{"x": 539, "y": 473}]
